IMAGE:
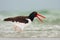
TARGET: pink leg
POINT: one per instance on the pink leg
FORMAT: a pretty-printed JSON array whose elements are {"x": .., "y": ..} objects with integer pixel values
[{"x": 17, "y": 29}]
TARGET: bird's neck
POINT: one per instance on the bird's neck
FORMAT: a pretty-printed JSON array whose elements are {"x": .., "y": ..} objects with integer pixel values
[{"x": 31, "y": 17}]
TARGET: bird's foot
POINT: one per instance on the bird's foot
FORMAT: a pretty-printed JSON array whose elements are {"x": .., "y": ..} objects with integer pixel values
[{"x": 18, "y": 29}]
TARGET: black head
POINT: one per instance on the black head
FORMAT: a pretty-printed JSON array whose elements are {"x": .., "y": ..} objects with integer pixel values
[{"x": 33, "y": 15}]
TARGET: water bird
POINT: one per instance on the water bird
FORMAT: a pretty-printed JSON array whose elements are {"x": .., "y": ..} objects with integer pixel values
[{"x": 23, "y": 21}]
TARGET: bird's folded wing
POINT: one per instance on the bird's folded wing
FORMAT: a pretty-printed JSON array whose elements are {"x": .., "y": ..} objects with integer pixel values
[{"x": 17, "y": 19}]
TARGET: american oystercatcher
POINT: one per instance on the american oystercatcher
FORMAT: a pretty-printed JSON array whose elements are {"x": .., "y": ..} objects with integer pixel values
[{"x": 22, "y": 21}]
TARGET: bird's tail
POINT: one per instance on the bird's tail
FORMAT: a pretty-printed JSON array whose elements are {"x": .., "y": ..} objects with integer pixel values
[{"x": 7, "y": 19}]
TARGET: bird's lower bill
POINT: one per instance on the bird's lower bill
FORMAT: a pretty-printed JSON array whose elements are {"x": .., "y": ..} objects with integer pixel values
[{"x": 39, "y": 16}]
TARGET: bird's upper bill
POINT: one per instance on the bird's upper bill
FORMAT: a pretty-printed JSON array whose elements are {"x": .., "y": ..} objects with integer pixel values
[{"x": 40, "y": 17}]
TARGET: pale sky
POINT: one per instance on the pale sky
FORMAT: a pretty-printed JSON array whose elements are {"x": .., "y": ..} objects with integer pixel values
[{"x": 28, "y": 5}]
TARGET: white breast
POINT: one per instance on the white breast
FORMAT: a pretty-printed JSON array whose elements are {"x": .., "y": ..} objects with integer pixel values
[{"x": 22, "y": 25}]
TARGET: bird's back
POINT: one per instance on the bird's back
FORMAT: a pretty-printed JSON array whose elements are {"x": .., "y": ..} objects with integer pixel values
[{"x": 17, "y": 19}]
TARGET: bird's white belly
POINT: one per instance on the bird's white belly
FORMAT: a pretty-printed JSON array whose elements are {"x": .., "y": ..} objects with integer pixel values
[{"x": 22, "y": 25}]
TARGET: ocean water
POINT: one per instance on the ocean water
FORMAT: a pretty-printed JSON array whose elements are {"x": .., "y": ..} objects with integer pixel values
[{"x": 49, "y": 28}]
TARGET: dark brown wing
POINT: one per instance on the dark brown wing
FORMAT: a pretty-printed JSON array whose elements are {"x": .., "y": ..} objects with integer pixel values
[{"x": 17, "y": 19}]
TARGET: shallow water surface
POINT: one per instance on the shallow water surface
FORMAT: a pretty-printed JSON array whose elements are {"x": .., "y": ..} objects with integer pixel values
[{"x": 50, "y": 27}]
